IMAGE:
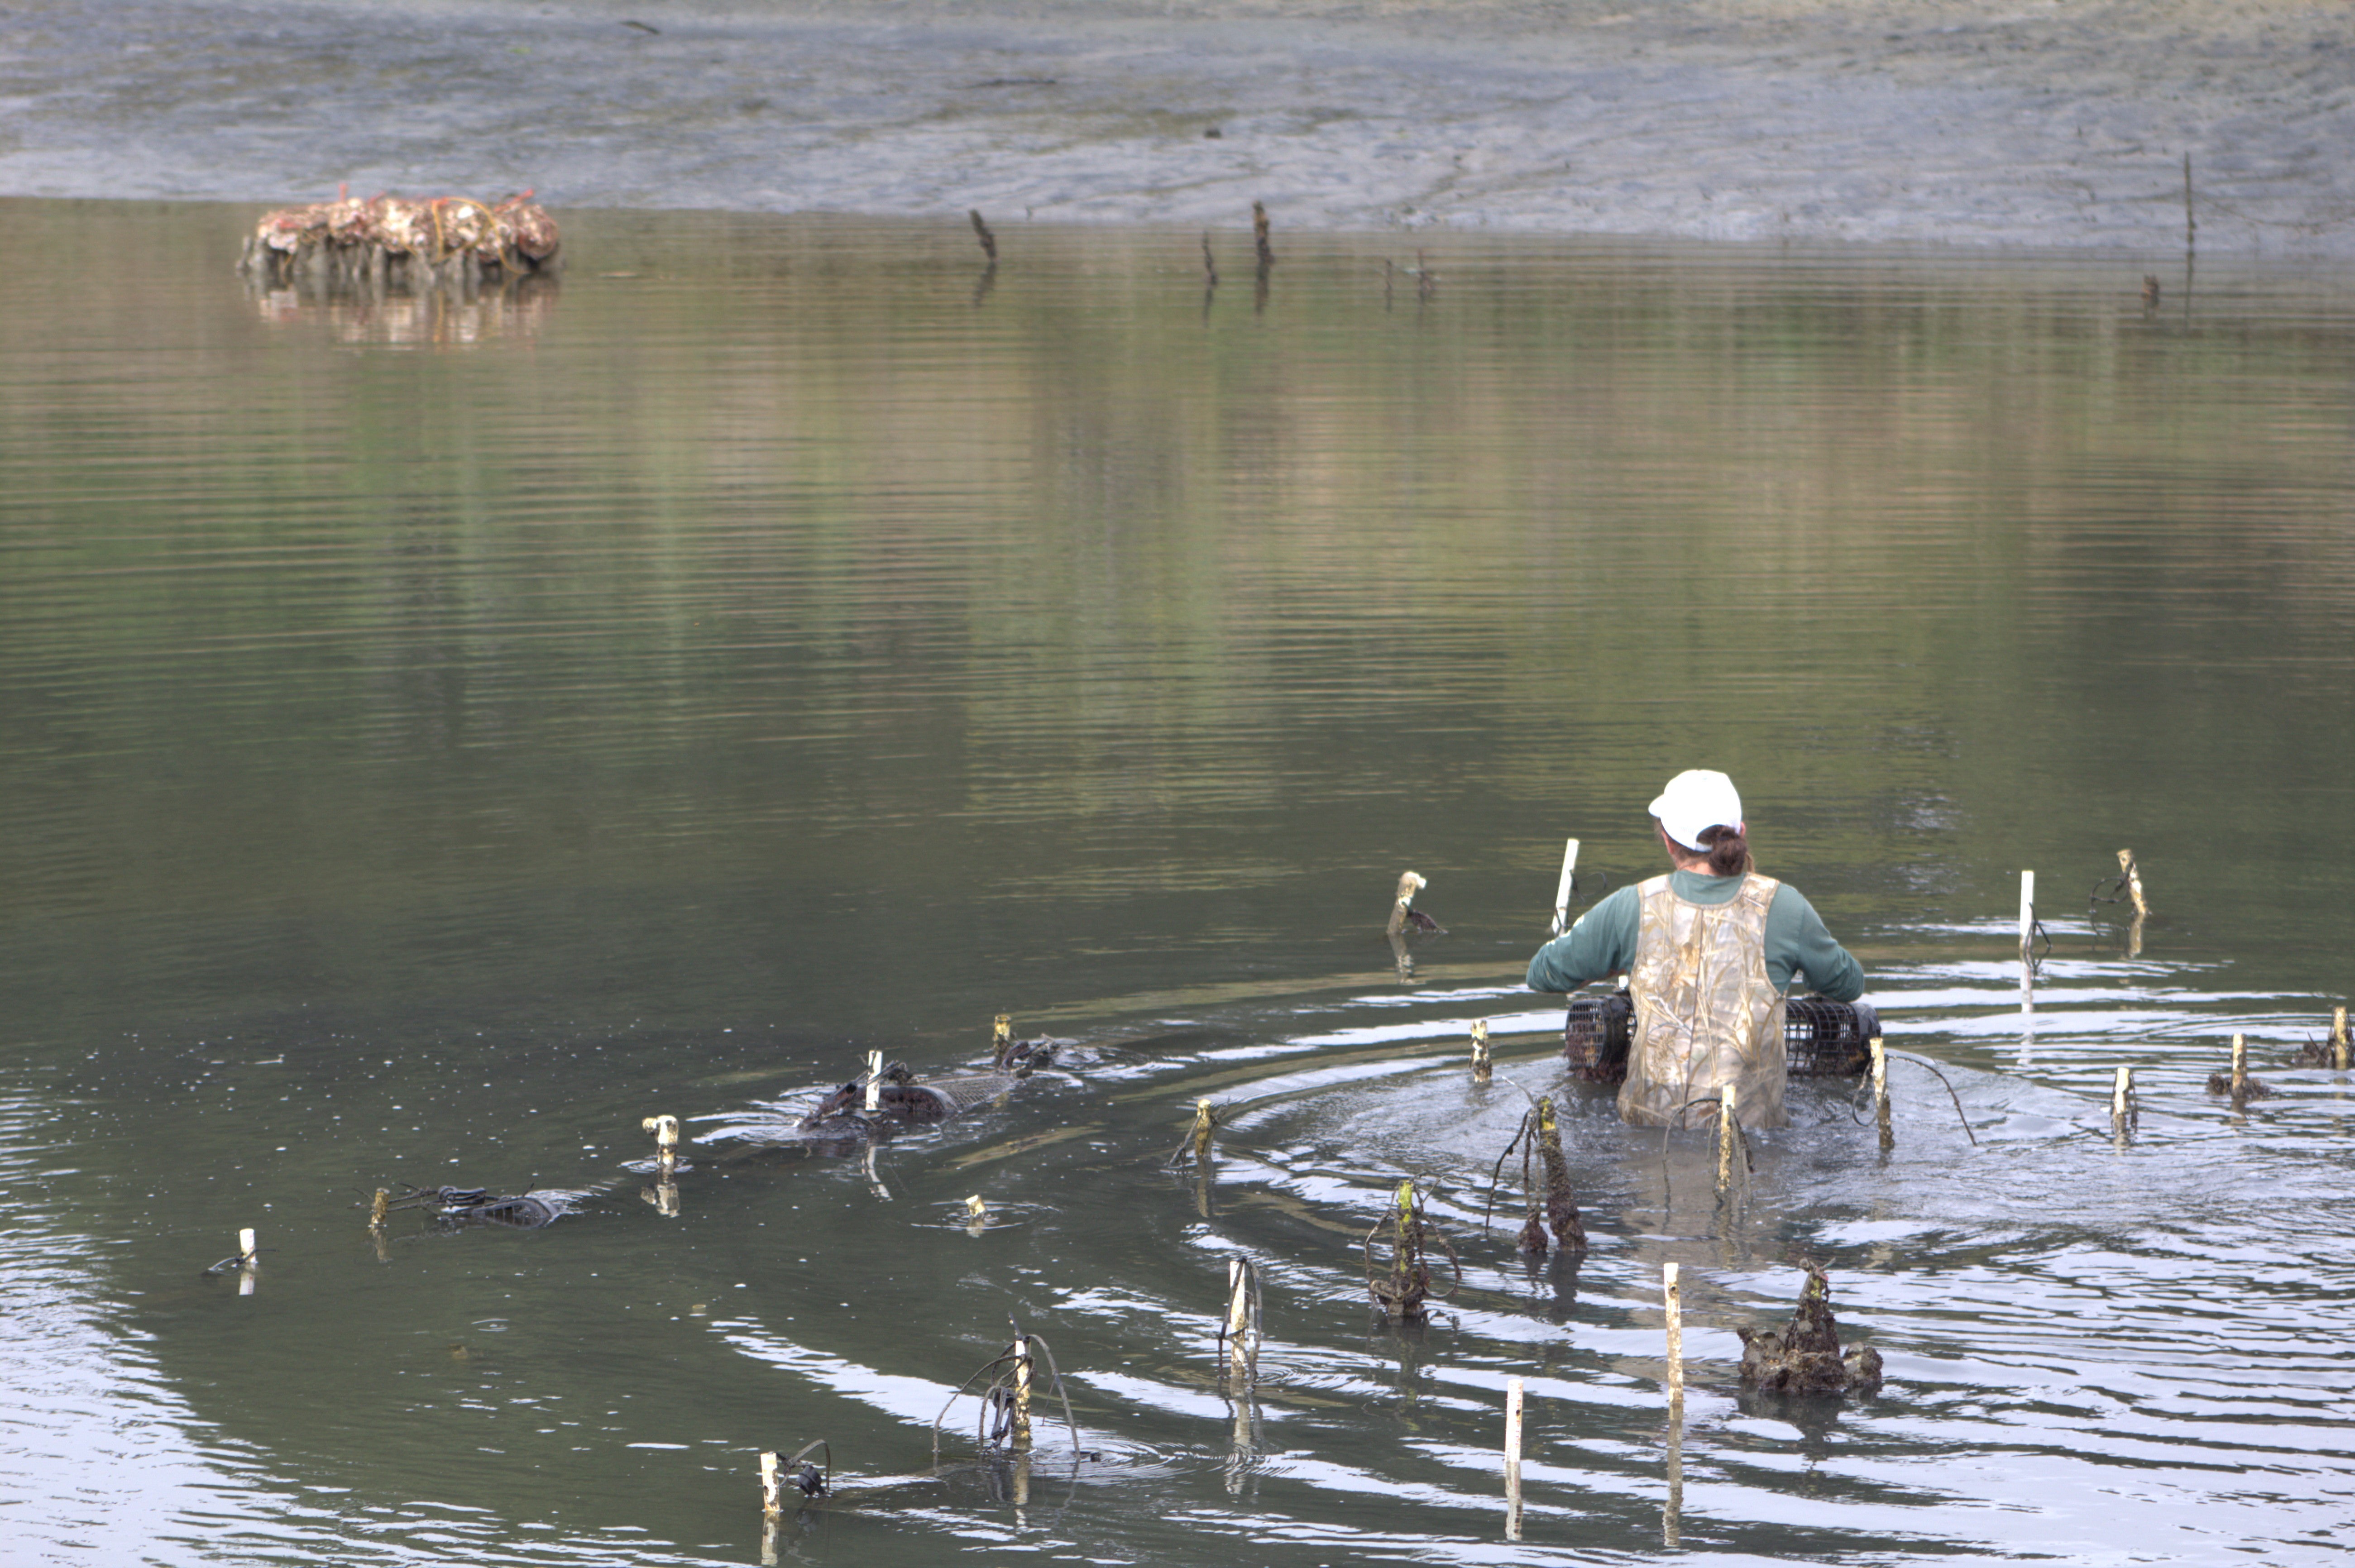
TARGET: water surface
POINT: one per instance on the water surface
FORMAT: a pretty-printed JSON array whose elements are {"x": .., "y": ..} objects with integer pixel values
[{"x": 439, "y": 733}]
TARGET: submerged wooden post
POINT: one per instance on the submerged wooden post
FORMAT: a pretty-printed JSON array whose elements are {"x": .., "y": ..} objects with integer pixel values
[
  {"x": 247, "y": 1257},
  {"x": 2122, "y": 1103},
  {"x": 2339, "y": 1038},
  {"x": 874, "y": 1079},
  {"x": 1725, "y": 1136},
  {"x": 2132, "y": 874},
  {"x": 665, "y": 1131},
  {"x": 1676, "y": 1324},
  {"x": 1022, "y": 1390},
  {"x": 1205, "y": 1123},
  {"x": 1880, "y": 1093},
  {"x": 2239, "y": 1068},
  {"x": 1243, "y": 1340},
  {"x": 1484, "y": 1067},
  {"x": 1561, "y": 889},
  {"x": 772, "y": 1489},
  {"x": 1513, "y": 1397}
]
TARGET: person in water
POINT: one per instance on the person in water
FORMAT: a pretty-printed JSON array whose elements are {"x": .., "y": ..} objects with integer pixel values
[{"x": 1710, "y": 951}]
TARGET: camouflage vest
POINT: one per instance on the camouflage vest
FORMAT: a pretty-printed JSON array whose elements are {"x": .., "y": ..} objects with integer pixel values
[{"x": 1705, "y": 1014}]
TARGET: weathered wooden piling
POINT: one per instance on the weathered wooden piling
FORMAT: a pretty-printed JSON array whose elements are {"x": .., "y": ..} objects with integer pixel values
[
  {"x": 1243, "y": 1328},
  {"x": 1513, "y": 1399},
  {"x": 2240, "y": 1067},
  {"x": 1021, "y": 1391},
  {"x": 1672, "y": 1299},
  {"x": 1880, "y": 1094},
  {"x": 1725, "y": 1136},
  {"x": 1561, "y": 889},
  {"x": 2131, "y": 874},
  {"x": 1484, "y": 1066},
  {"x": 772, "y": 1487},
  {"x": 874, "y": 1079},
  {"x": 2339, "y": 1043},
  {"x": 665, "y": 1131},
  {"x": 2122, "y": 1103}
]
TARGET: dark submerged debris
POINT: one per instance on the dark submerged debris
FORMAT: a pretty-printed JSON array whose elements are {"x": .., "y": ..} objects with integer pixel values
[
  {"x": 480, "y": 1206},
  {"x": 1404, "y": 1290},
  {"x": 981, "y": 230},
  {"x": 902, "y": 1100},
  {"x": 2251, "y": 1086},
  {"x": 1805, "y": 1358}
]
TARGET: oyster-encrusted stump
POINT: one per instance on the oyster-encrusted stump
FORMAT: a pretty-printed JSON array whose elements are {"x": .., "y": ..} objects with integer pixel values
[{"x": 1805, "y": 1358}]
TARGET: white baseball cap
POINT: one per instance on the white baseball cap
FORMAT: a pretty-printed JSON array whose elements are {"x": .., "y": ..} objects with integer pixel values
[{"x": 1696, "y": 801}]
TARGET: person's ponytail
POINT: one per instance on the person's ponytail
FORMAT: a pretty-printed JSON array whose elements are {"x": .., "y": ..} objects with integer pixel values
[{"x": 1728, "y": 851}]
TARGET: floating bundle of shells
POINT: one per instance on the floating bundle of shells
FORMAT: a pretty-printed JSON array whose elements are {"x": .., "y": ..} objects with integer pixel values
[{"x": 386, "y": 240}]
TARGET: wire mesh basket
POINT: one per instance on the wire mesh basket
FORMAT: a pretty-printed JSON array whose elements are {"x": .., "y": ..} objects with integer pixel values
[
  {"x": 1821, "y": 1038},
  {"x": 1595, "y": 1036},
  {"x": 1828, "y": 1040}
]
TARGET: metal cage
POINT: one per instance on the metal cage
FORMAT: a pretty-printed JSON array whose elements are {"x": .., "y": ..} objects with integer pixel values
[{"x": 1821, "y": 1038}]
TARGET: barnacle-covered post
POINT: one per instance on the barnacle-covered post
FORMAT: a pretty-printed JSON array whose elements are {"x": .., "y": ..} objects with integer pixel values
[
  {"x": 1880, "y": 1094},
  {"x": 1483, "y": 1065}
]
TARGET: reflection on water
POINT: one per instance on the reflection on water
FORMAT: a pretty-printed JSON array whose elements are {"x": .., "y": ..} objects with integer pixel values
[{"x": 425, "y": 768}]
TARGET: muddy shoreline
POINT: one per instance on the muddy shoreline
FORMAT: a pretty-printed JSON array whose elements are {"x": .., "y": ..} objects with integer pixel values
[{"x": 1940, "y": 123}]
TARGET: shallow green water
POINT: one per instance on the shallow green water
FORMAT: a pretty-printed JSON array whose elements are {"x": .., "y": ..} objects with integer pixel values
[{"x": 436, "y": 735}]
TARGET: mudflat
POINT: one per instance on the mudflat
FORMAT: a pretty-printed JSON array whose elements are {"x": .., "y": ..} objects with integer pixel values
[{"x": 1913, "y": 122}]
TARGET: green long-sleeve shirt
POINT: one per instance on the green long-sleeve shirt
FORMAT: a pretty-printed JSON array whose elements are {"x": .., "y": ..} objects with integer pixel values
[{"x": 1603, "y": 941}]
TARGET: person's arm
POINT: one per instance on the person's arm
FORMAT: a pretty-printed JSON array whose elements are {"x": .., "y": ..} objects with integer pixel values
[
  {"x": 1601, "y": 942},
  {"x": 1797, "y": 940}
]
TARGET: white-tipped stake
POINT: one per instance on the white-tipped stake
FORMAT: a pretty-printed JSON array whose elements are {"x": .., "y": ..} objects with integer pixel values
[
  {"x": 1242, "y": 1332},
  {"x": 2122, "y": 1103},
  {"x": 247, "y": 1257},
  {"x": 1880, "y": 1093},
  {"x": 874, "y": 1079},
  {"x": 2339, "y": 1043},
  {"x": 1484, "y": 1066},
  {"x": 1673, "y": 1299},
  {"x": 1725, "y": 1136},
  {"x": 2027, "y": 915},
  {"x": 773, "y": 1487},
  {"x": 1561, "y": 889},
  {"x": 1513, "y": 1396}
]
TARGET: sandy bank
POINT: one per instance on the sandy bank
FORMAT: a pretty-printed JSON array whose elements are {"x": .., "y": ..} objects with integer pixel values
[{"x": 1901, "y": 120}]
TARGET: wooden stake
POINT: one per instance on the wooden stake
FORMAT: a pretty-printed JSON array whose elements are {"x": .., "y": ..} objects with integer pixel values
[
  {"x": 1880, "y": 1093},
  {"x": 1484, "y": 1067},
  {"x": 665, "y": 1131},
  {"x": 1513, "y": 1398},
  {"x": 1204, "y": 1124},
  {"x": 1022, "y": 1390},
  {"x": 247, "y": 1257},
  {"x": 1725, "y": 1136},
  {"x": 981, "y": 230},
  {"x": 2240, "y": 1068},
  {"x": 874, "y": 1079},
  {"x": 2339, "y": 1038},
  {"x": 1676, "y": 1321},
  {"x": 1242, "y": 1340},
  {"x": 1561, "y": 889},
  {"x": 2190, "y": 226},
  {"x": 2133, "y": 875},
  {"x": 772, "y": 1489},
  {"x": 1001, "y": 1036},
  {"x": 2027, "y": 917},
  {"x": 2122, "y": 1103},
  {"x": 379, "y": 1209}
]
